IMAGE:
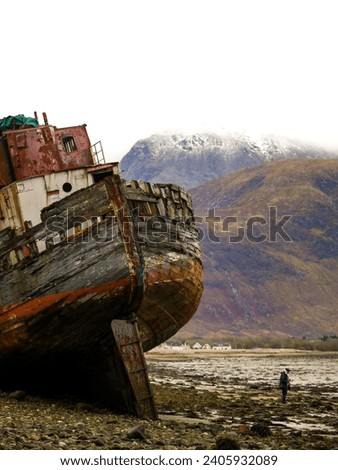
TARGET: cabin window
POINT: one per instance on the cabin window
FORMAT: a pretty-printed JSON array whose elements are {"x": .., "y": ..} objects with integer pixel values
[{"x": 69, "y": 143}]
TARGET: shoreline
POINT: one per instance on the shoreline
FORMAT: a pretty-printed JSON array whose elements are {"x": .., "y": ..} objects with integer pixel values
[{"x": 179, "y": 354}]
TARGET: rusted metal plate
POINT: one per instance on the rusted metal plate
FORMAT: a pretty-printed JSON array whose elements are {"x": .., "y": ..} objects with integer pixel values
[
  {"x": 47, "y": 149},
  {"x": 6, "y": 174},
  {"x": 127, "y": 338}
]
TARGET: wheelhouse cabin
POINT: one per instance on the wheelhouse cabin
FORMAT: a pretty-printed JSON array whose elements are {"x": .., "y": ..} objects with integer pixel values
[{"x": 41, "y": 164}]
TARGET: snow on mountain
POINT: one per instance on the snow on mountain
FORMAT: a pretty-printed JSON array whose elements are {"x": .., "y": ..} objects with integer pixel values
[{"x": 192, "y": 159}]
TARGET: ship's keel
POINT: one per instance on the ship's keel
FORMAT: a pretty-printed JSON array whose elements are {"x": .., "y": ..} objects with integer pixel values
[{"x": 138, "y": 399}]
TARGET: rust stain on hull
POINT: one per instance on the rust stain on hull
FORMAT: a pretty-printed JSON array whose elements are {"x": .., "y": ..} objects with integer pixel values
[{"x": 28, "y": 313}]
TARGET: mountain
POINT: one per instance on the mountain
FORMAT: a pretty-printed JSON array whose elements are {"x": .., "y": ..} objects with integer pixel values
[
  {"x": 272, "y": 189},
  {"x": 190, "y": 160},
  {"x": 278, "y": 276}
]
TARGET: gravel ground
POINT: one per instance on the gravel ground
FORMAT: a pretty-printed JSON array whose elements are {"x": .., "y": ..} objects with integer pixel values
[{"x": 188, "y": 420}]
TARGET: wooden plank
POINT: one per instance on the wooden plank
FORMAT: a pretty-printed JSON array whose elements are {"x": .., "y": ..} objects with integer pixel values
[{"x": 128, "y": 341}]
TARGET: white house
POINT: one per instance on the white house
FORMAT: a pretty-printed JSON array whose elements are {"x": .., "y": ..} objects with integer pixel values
[{"x": 222, "y": 347}]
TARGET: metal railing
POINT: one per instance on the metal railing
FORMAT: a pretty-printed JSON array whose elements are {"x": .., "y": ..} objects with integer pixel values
[{"x": 97, "y": 153}]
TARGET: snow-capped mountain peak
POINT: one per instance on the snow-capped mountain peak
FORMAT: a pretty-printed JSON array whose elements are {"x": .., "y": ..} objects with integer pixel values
[{"x": 189, "y": 159}]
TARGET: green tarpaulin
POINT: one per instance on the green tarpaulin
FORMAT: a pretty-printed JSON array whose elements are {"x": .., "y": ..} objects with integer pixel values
[{"x": 15, "y": 122}]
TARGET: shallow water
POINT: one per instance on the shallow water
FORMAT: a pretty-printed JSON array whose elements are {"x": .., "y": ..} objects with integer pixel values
[
  {"x": 306, "y": 371},
  {"x": 254, "y": 377}
]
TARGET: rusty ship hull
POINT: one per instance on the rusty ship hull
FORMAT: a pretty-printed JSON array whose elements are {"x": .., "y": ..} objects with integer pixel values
[{"x": 113, "y": 251}]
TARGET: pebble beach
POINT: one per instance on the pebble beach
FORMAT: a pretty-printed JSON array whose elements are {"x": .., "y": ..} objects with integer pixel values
[{"x": 190, "y": 417}]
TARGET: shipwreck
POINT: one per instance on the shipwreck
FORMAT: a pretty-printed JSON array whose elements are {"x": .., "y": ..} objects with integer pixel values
[{"x": 94, "y": 270}]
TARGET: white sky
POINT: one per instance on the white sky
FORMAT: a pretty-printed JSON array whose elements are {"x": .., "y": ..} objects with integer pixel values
[{"x": 131, "y": 68}]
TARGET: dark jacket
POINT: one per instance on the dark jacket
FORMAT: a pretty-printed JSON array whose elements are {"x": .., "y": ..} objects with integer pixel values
[{"x": 284, "y": 381}]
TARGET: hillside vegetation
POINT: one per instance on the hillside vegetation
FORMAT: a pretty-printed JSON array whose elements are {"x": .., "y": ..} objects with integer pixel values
[{"x": 282, "y": 278}]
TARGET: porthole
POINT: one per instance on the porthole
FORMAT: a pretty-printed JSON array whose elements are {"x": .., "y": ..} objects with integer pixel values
[{"x": 67, "y": 187}]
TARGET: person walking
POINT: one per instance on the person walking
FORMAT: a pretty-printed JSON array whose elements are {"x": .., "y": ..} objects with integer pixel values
[{"x": 284, "y": 383}]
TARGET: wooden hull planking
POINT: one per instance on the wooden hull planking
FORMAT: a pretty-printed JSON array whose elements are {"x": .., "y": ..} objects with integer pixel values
[{"x": 102, "y": 258}]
